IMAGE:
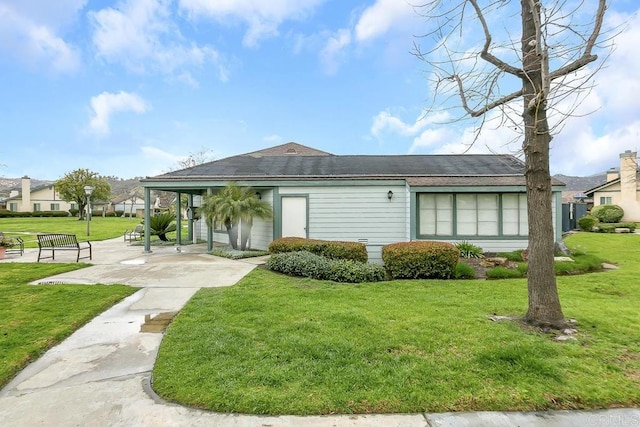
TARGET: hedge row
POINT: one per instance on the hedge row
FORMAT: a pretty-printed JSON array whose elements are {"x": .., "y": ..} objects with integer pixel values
[
  {"x": 12, "y": 214},
  {"x": 330, "y": 249},
  {"x": 420, "y": 260},
  {"x": 307, "y": 264}
]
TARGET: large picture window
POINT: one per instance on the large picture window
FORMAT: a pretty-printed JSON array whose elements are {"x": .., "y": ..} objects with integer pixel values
[{"x": 472, "y": 215}]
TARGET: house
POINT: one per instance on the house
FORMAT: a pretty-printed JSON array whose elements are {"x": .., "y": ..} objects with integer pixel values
[
  {"x": 374, "y": 199},
  {"x": 621, "y": 188},
  {"x": 41, "y": 198}
]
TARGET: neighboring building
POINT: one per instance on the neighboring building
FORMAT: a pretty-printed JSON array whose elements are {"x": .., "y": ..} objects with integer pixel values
[
  {"x": 130, "y": 205},
  {"x": 621, "y": 188},
  {"x": 376, "y": 200},
  {"x": 41, "y": 198}
]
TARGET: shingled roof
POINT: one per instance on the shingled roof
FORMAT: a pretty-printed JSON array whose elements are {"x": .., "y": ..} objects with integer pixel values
[{"x": 418, "y": 170}]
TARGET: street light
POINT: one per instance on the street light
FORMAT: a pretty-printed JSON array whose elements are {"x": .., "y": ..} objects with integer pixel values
[{"x": 87, "y": 191}]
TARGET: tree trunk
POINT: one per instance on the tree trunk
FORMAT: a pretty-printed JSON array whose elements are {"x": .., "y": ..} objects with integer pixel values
[
  {"x": 232, "y": 232},
  {"x": 245, "y": 233},
  {"x": 544, "y": 302}
]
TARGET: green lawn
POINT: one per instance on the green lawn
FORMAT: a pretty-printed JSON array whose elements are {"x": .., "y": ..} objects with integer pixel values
[
  {"x": 279, "y": 345},
  {"x": 35, "y": 318},
  {"x": 100, "y": 228}
]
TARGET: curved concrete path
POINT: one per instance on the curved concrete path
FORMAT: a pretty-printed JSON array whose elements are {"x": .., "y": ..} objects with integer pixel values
[{"x": 100, "y": 375}]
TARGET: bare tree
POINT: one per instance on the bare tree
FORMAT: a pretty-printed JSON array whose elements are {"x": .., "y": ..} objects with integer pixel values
[{"x": 517, "y": 74}]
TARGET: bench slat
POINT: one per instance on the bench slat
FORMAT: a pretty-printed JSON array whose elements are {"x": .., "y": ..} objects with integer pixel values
[{"x": 62, "y": 242}]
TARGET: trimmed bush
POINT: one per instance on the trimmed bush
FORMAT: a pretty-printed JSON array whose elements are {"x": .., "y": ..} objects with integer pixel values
[
  {"x": 587, "y": 222},
  {"x": 420, "y": 260},
  {"x": 50, "y": 214},
  {"x": 608, "y": 214},
  {"x": 307, "y": 264},
  {"x": 611, "y": 228},
  {"x": 464, "y": 271},
  {"x": 353, "y": 251},
  {"x": 74, "y": 212}
]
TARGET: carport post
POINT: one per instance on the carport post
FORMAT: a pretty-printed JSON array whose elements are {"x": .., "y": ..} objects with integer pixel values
[
  {"x": 147, "y": 220},
  {"x": 179, "y": 220}
]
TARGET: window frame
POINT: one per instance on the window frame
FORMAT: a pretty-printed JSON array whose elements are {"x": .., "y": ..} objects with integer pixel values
[{"x": 522, "y": 220}]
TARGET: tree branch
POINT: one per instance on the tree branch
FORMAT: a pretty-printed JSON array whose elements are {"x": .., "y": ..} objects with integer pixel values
[
  {"x": 490, "y": 106},
  {"x": 586, "y": 57},
  {"x": 485, "y": 54}
]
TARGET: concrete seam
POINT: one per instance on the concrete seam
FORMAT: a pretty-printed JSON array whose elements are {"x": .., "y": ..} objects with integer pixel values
[{"x": 426, "y": 418}]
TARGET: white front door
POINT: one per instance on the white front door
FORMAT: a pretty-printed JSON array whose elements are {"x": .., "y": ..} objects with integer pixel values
[{"x": 294, "y": 216}]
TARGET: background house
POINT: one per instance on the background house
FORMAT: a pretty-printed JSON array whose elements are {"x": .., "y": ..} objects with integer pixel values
[
  {"x": 621, "y": 188},
  {"x": 40, "y": 198},
  {"x": 376, "y": 200}
]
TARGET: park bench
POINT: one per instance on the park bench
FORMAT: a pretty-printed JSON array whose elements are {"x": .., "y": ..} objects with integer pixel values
[
  {"x": 135, "y": 234},
  {"x": 61, "y": 242},
  {"x": 17, "y": 244}
]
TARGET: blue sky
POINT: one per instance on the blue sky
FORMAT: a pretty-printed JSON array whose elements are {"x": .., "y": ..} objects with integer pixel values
[{"x": 129, "y": 88}]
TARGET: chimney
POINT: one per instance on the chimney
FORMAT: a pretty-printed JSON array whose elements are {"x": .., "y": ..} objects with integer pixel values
[
  {"x": 612, "y": 174},
  {"x": 628, "y": 168},
  {"x": 26, "y": 194}
]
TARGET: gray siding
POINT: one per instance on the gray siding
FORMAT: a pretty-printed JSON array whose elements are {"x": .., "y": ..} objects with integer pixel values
[{"x": 358, "y": 213}]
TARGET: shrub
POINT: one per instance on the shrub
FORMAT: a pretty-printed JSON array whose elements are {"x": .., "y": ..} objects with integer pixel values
[
  {"x": 608, "y": 213},
  {"x": 119, "y": 213},
  {"x": 504, "y": 273},
  {"x": 328, "y": 248},
  {"x": 50, "y": 214},
  {"x": 469, "y": 250},
  {"x": 307, "y": 264},
  {"x": 464, "y": 271},
  {"x": 515, "y": 256},
  {"x": 587, "y": 222},
  {"x": 74, "y": 212},
  {"x": 611, "y": 228},
  {"x": 420, "y": 260}
]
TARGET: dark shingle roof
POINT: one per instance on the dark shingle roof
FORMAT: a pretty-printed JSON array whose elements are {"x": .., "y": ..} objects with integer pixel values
[{"x": 402, "y": 166}]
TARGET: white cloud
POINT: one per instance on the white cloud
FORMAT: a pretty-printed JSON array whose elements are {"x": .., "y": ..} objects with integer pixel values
[
  {"x": 383, "y": 16},
  {"x": 32, "y": 37},
  {"x": 333, "y": 52},
  {"x": 141, "y": 35},
  {"x": 106, "y": 104},
  {"x": 263, "y": 18}
]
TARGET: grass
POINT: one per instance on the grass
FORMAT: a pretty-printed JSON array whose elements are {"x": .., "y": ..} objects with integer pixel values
[
  {"x": 101, "y": 228},
  {"x": 35, "y": 318},
  {"x": 279, "y": 345}
]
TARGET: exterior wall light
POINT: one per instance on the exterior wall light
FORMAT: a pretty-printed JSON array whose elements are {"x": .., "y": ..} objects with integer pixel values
[{"x": 389, "y": 194}]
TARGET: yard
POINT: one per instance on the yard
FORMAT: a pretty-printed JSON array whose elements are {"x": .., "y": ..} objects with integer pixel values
[
  {"x": 35, "y": 318},
  {"x": 279, "y": 345},
  {"x": 101, "y": 228}
]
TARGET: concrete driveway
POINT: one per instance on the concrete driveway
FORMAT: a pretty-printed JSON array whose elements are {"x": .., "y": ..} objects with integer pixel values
[{"x": 100, "y": 375}]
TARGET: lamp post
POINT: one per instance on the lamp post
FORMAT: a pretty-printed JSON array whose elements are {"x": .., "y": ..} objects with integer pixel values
[{"x": 87, "y": 191}]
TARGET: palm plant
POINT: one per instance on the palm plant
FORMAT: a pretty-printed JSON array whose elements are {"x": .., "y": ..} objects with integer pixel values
[
  {"x": 232, "y": 206},
  {"x": 162, "y": 224}
]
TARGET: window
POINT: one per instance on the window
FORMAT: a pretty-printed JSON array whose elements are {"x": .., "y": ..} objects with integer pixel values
[
  {"x": 605, "y": 201},
  {"x": 514, "y": 215},
  {"x": 468, "y": 214},
  {"x": 55, "y": 207},
  {"x": 436, "y": 214},
  {"x": 36, "y": 207},
  {"x": 13, "y": 207},
  {"x": 477, "y": 214},
  {"x": 74, "y": 206}
]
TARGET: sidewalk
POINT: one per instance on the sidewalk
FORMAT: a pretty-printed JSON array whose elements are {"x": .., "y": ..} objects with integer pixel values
[{"x": 100, "y": 375}]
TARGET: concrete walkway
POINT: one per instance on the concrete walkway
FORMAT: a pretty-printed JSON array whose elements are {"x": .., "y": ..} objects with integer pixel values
[{"x": 100, "y": 375}]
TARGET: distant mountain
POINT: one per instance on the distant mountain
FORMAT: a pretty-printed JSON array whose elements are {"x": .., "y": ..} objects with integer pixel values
[{"x": 581, "y": 183}]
